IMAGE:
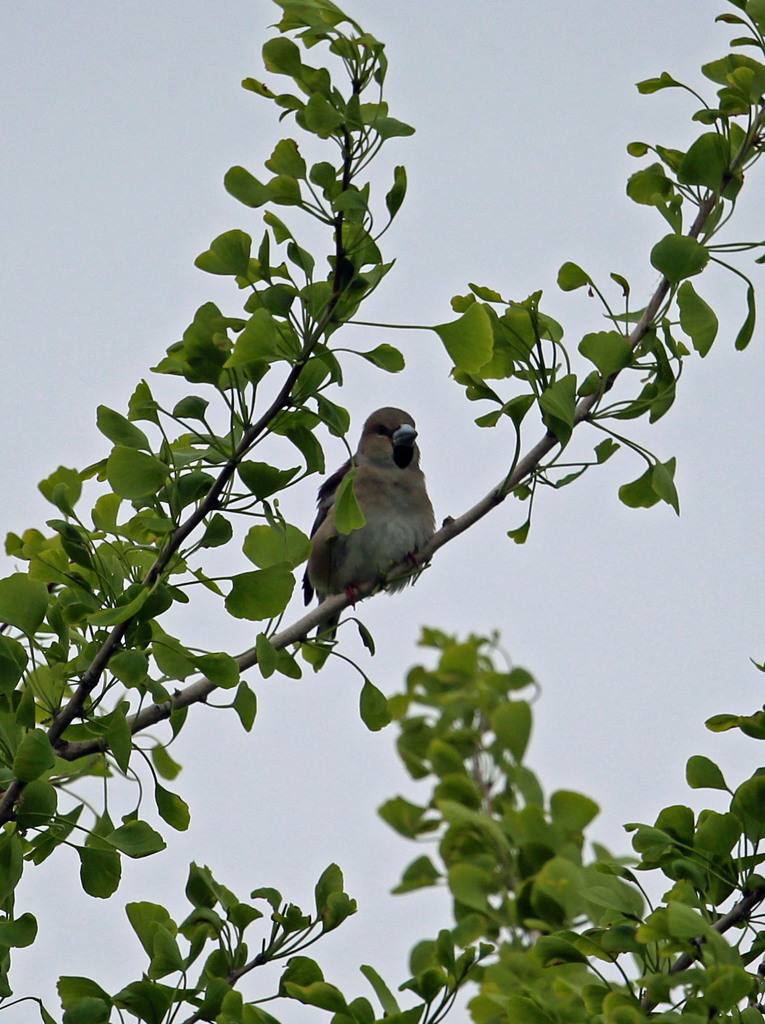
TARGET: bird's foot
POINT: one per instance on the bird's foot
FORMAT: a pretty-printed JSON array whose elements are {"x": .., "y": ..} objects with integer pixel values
[{"x": 352, "y": 593}]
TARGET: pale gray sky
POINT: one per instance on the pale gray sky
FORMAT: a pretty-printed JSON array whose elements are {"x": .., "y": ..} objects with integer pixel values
[{"x": 118, "y": 123}]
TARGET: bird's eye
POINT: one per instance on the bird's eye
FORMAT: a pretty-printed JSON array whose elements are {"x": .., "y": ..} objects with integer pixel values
[{"x": 382, "y": 430}]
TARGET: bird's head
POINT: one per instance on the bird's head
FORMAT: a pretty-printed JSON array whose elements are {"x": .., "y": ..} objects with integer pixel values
[{"x": 388, "y": 434}]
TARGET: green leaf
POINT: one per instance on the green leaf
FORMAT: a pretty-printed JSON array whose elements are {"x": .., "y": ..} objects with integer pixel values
[
  {"x": 521, "y": 533},
  {"x": 192, "y": 407},
  {"x": 728, "y": 986},
  {"x": 571, "y": 277},
  {"x": 220, "y": 668},
  {"x": 274, "y": 545},
  {"x": 11, "y": 863},
  {"x": 421, "y": 873},
  {"x": 552, "y": 950},
  {"x": 319, "y": 117},
  {"x": 23, "y": 602},
  {"x": 217, "y": 533},
  {"x": 262, "y": 594},
  {"x": 511, "y": 723},
  {"x": 37, "y": 805},
  {"x": 701, "y": 773},
  {"x": 134, "y": 474},
  {"x": 469, "y": 340},
  {"x": 263, "y": 480},
  {"x": 34, "y": 756},
  {"x": 330, "y": 882},
  {"x": 373, "y": 706},
  {"x": 141, "y": 404},
  {"x": 172, "y": 658},
  {"x": 308, "y": 446},
  {"x": 485, "y": 293},
  {"x": 678, "y": 257},
  {"x": 119, "y": 737},
  {"x": 386, "y": 357},
  {"x": 381, "y": 990},
  {"x": 650, "y": 186},
  {"x": 245, "y": 705},
  {"x": 166, "y": 956},
  {"x": 13, "y": 661},
  {"x": 163, "y": 762},
  {"x": 260, "y": 340},
  {"x": 663, "y": 483},
  {"x": 664, "y": 81},
  {"x": 622, "y": 282},
  {"x": 639, "y": 493},
  {"x": 654, "y": 485},
  {"x": 120, "y": 430},
  {"x": 20, "y": 932},
  {"x": 131, "y": 667},
  {"x": 389, "y": 128},
  {"x": 336, "y": 418},
  {"x": 706, "y": 162},
  {"x": 572, "y": 811},
  {"x": 239, "y": 183},
  {"x": 747, "y": 804},
  {"x": 282, "y": 57},
  {"x": 229, "y": 253},
  {"x": 395, "y": 197},
  {"x": 100, "y": 871},
  {"x": 62, "y": 488},
  {"x": 123, "y": 612},
  {"x": 470, "y": 885},
  {"x": 608, "y": 350},
  {"x": 136, "y": 839},
  {"x": 697, "y": 319},
  {"x": 558, "y": 404},
  {"x": 286, "y": 159},
  {"x": 684, "y": 922},
  {"x": 267, "y": 654},
  {"x": 172, "y": 809},
  {"x": 347, "y": 513},
  {"x": 147, "y": 1000},
  {"x": 606, "y": 449},
  {"x": 744, "y": 336},
  {"x": 72, "y": 989},
  {"x": 320, "y": 994}
]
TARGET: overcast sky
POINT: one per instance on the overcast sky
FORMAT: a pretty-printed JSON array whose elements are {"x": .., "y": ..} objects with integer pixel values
[{"x": 119, "y": 121}]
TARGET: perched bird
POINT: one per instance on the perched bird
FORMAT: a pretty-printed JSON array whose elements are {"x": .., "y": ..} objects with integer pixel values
[{"x": 390, "y": 489}]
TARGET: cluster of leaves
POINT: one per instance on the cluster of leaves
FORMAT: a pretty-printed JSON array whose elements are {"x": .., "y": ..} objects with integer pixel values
[
  {"x": 499, "y": 339},
  {"x": 89, "y": 658},
  {"x": 88, "y": 652},
  {"x": 575, "y": 940},
  {"x": 212, "y": 937}
]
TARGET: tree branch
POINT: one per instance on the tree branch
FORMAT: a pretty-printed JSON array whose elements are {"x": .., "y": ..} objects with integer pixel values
[
  {"x": 200, "y": 689},
  {"x": 740, "y": 912},
  {"x": 75, "y": 706}
]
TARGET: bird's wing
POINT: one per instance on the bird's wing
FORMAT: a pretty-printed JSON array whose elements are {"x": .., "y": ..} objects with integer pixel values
[{"x": 325, "y": 499}]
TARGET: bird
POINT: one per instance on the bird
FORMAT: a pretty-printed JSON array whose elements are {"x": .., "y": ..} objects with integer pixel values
[{"x": 390, "y": 489}]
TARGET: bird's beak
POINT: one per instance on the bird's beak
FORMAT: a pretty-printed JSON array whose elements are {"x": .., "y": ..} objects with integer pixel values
[
  {"x": 403, "y": 445},
  {"x": 404, "y": 436}
]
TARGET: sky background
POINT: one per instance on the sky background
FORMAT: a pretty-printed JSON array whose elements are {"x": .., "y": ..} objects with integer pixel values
[{"x": 118, "y": 123}]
